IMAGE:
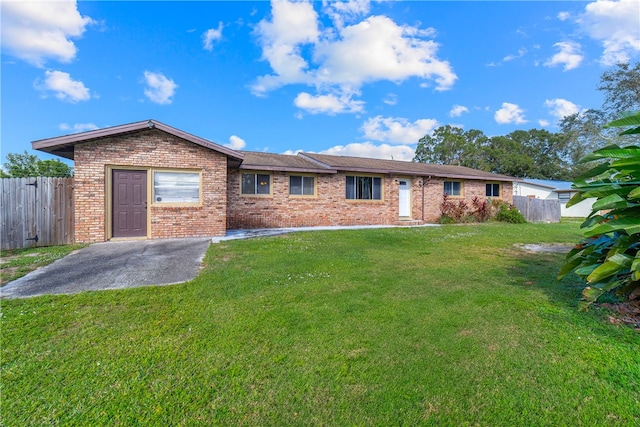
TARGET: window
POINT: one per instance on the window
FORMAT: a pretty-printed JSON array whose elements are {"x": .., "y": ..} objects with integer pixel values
[
  {"x": 256, "y": 183},
  {"x": 302, "y": 185},
  {"x": 176, "y": 187},
  {"x": 564, "y": 197},
  {"x": 452, "y": 188},
  {"x": 493, "y": 190},
  {"x": 364, "y": 188}
]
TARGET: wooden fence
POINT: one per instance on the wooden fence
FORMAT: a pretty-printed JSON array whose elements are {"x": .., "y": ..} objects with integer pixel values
[
  {"x": 538, "y": 210},
  {"x": 36, "y": 212}
]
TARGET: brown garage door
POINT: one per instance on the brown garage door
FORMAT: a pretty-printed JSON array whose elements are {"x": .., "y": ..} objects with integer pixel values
[{"x": 129, "y": 216}]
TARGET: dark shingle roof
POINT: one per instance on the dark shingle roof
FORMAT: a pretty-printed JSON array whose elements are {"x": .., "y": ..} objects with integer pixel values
[
  {"x": 63, "y": 145},
  {"x": 281, "y": 162},
  {"x": 361, "y": 164},
  {"x": 249, "y": 160}
]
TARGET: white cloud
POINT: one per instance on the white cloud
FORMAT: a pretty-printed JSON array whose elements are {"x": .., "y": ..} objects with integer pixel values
[
  {"x": 379, "y": 49},
  {"x": 211, "y": 35},
  {"x": 397, "y": 130},
  {"x": 510, "y": 113},
  {"x": 458, "y": 110},
  {"x": 391, "y": 99},
  {"x": 569, "y": 55},
  {"x": 340, "y": 59},
  {"x": 521, "y": 53},
  {"x": 159, "y": 88},
  {"x": 78, "y": 127},
  {"x": 292, "y": 25},
  {"x": 367, "y": 149},
  {"x": 292, "y": 152},
  {"x": 36, "y": 31},
  {"x": 63, "y": 86},
  {"x": 236, "y": 143},
  {"x": 345, "y": 11},
  {"x": 561, "y": 108},
  {"x": 563, "y": 16},
  {"x": 330, "y": 104},
  {"x": 615, "y": 25},
  {"x": 543, "y": 123}
]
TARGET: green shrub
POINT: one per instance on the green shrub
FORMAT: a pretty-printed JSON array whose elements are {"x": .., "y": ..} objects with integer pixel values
[
  {"x": 454, "y": 212},
  {"x": 509, "y": 213}
]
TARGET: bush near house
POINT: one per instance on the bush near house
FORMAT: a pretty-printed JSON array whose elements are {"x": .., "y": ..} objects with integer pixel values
[{"x": 452, "y": 211}]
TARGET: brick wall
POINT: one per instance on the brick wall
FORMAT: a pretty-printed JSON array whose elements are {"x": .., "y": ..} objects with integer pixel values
[
  {"x": 434, "y": 189},
  {"x": 149, "y": 149},
  {"x": 330, "y": 207}
]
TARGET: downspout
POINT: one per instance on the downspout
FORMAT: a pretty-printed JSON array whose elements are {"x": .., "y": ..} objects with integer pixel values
[
  {"x": 422, "y": 199},
  {"x": 423, "y": 184}
]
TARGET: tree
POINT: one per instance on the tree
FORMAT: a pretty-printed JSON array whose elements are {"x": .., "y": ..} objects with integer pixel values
[
  {"x": 54, "y": 168},
  {"x": 527, "y": 154},
  {"x": 29, "y": 165},
  {"x": 448, "y": 145},
  {"x": 622, "y": 89},
  {"x": 544, "y": 152},
  {"x": 506, "y": 156},
  {"x": 584, "y": 131},
  {"x": 609, "y": 257}
]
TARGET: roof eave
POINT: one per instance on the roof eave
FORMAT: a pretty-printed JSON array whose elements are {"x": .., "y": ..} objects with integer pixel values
[
  {"x": 63, "y": 145},
  {"x": 286, "y": 169}
]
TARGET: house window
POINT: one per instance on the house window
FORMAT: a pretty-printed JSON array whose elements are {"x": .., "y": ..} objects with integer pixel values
[
  {"x": 364, "y": 188},
  {"x": 564, "y": 197},
  {"x": 493, "y": 190},
  {"x": 302, "y": 185},
  {"x": 452, "y": 188},
  {"x": 256, "y": 183},
  {"x": 176, "y": 187}
]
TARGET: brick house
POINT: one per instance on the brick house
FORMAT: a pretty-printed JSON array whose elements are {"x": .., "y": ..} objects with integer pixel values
[{"x": 149, "y": 180}]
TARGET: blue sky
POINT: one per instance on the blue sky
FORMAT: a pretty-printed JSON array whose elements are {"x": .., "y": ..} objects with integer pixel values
[{"x": 348, "y": 78}]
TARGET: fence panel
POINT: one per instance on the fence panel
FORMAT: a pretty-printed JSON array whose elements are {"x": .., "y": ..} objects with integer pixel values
[
  {"x": 36, "y": 212},
  {"x": 538, "y": 210}
]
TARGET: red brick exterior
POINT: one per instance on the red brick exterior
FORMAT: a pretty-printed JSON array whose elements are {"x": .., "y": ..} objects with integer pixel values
[
  {"x": 222, "y": 206},
  {"x": 149, "y": 149},
  {"x": 330, "y": 206}
]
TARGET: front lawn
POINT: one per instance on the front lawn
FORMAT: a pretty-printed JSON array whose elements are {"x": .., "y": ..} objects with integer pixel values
[
  {"x": 16, "y": 263},
  {"x": 442, "y": 326}
]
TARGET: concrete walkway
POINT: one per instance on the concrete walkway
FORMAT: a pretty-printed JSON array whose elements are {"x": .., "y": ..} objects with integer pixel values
[
  {"x": 260, "y": 232},
  {"x": 114, "y": 265},
  {"x": 133, "y": 263}
]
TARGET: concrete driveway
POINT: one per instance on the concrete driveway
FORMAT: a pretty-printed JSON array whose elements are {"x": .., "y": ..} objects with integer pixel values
[{"x": 114, "y": 265}]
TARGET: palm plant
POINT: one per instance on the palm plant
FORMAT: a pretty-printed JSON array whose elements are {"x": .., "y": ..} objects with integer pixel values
[{"x": 609, "y": 256}]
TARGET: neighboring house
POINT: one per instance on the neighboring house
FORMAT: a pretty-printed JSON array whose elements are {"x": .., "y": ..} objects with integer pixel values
[
  {"x": 551, "y": 189},
  {"x": 150, "y": 180}
]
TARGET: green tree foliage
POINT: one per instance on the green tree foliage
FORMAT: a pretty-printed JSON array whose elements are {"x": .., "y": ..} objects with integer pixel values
[
  {"x": 29, "y": 165},
  {"x": 621, "y": 87},
  {"x": 450, "y": 145},
  {"x": 609, "y": 257},
  {"x": 584, "y": 131},
  {"x": 527, "y": 154},
  {"x": 538, "y": 153}
]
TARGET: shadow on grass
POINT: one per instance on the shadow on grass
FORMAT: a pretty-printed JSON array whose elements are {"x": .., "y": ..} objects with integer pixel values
[{"x": 539, "y": 271}]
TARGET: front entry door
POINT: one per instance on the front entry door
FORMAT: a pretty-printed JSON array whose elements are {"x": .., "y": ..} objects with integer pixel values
[
  {"x": 129, "y": 216},
  {"x": 404, "y": 198}
]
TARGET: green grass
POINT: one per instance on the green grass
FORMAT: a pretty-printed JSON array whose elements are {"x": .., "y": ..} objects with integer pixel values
[
  {"x": 18, "y": 262},
  {"x": 443, "y": 326}
]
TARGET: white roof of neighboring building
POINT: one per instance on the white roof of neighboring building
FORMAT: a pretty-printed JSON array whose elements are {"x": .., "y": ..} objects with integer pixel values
[{"x": 550, "y": 183}]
